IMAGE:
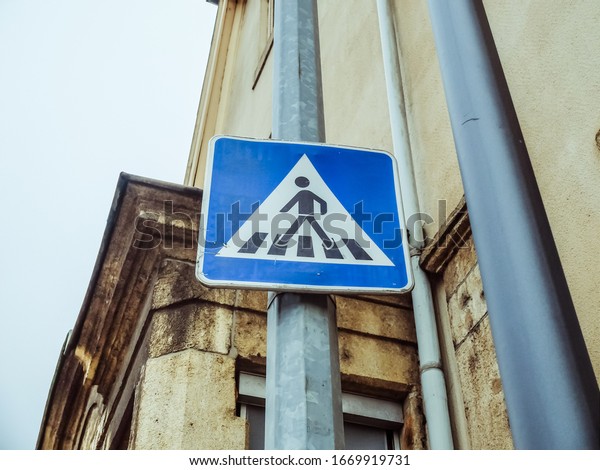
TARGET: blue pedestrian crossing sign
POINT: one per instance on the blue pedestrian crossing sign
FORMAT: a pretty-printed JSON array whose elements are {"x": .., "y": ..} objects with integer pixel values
[{"x": 291, "y": 216}]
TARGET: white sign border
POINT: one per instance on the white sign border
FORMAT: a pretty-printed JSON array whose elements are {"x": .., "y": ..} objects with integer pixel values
[{"x": 300, "y": 288}]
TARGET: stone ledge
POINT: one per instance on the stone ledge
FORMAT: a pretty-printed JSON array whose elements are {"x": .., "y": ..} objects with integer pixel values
[
  {"x": 192, "y": 326},
  {"x": 375, "y": 358},
  {"x": 177, "y": 283},
  {"x": 449, "y": 239},
  {"x": 367, "y": 359},
  {"x": 375, "y": 319}
]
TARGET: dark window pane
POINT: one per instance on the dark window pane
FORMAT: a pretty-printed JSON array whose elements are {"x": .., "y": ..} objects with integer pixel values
[
  {"x": 360, "y": 437},
  {"x": 256, "y": 419}
]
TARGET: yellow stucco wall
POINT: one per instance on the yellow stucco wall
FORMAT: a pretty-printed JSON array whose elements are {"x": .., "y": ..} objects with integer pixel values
[
  {"x": 548, "y": 51},
  {"x": 245, "y": 111}
]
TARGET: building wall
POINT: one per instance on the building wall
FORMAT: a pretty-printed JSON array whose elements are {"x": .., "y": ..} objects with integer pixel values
[
  {"x": 547, "y": 52},
  {"x": 202, "y": 338},
  {"x": 476, "y": 397},
  {"x": 463, "y": 301},
  {"x": 552, "y": 62},
  {"x": 246, "y": 111}
]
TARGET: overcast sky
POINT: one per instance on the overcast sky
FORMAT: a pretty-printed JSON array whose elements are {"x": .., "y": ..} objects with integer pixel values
[{"x": 88, "y": 88}]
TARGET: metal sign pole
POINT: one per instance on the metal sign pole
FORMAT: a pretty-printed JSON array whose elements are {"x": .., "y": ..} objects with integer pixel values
[
  {"x": 303, "y": 394},
  {"x": 551, "y": 391}
]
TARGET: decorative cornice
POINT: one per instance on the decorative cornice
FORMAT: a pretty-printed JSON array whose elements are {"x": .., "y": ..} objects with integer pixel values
[{"x": 453, "y": 236}]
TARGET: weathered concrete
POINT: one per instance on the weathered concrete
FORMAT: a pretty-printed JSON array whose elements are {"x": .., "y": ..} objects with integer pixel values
[
  {"x": 377, "y": 359},
  {"x": 251, "y": 300},
  {"x": 414, "y": 432},
  {"x": 461, "y": 264},
  {"x": 474, "y": 353},
  {"x": 482, "y": 390},
  {"x": 466, "y": 306},
  {"x": 375, "y": 319},
  {"x": 366, "y": 360},
  {"x": 177, "y": 282},
  {"x": 250, "y": 338},
  {"x": 187, "y": 401},
  {"x": 193, "y": 326},
  {"x": 469, "y": 350}
]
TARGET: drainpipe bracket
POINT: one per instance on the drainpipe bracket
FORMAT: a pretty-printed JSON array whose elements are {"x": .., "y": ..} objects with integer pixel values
[{"x": 430, "y": 365}]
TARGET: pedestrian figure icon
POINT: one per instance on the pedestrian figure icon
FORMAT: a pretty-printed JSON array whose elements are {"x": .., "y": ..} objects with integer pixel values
[{"x": 307, "y": 203}]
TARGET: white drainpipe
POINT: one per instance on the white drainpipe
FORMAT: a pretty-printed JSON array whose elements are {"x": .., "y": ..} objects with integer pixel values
[{"x": 435, "y": 401}]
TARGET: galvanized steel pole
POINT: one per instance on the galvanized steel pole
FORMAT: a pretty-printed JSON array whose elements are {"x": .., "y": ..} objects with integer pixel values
[
  {"x": 303, "y": 394},
  {"x": 551, "y": 391}
]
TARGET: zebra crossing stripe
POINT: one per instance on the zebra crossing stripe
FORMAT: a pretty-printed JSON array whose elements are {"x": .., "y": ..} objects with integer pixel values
[
  {"x": 255, "y": 242},
  {"x": 277, "y": 249},
  {"x": 333, "y": 252},
  {"x": 305, "y": 248},
  {"x": 356, "y": 250}
]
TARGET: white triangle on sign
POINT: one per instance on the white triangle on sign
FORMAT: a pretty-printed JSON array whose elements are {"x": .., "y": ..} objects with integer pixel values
[{"x": 323, "y": 232}]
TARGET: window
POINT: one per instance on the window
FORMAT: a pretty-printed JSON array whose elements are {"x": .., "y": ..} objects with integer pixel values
[
  {"x": 369, "y": 423},
  {"x": 267, "y": 21}
]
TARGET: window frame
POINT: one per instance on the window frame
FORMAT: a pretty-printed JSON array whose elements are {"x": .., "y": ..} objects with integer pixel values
[
  {"x": 357, "y": 409},
  {"x": 266, "y": 27}
]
